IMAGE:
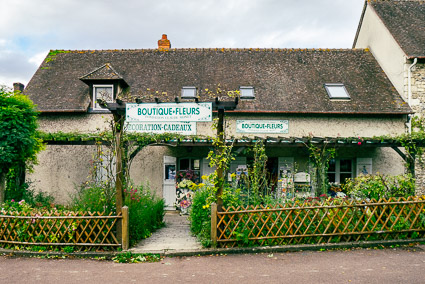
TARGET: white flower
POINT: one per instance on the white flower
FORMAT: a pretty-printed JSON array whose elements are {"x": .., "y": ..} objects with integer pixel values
[{"x": 341, "y": 194}]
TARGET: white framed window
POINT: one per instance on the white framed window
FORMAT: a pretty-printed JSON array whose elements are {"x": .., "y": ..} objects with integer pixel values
[
  {"x": 105, "y": 92},
  {"x": 337, "y": 91},
  {"x": 247, "y": 92},
  {"x": 188, "y": 92},
  {"x": 189, "y": 168},
  {"x": 340, "y": 169}
]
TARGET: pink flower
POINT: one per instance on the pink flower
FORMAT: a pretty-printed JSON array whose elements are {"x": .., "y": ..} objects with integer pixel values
[{"x": 359, "y": 143}]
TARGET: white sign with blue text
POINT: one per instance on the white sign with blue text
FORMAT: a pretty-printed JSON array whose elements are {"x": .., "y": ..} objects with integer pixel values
[
  {"x": 183, "y": 128},
  {"x": 262, "y": 126},
  {"x": 182, "y": 112}
]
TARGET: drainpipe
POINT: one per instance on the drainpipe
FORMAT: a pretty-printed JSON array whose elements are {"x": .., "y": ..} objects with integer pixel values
[{"x": 409, "y": 91}]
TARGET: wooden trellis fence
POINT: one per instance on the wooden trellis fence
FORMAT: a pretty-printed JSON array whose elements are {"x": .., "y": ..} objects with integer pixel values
[
  {"x": 82, "y": 230},
  {"x": 313, "y": 223}
]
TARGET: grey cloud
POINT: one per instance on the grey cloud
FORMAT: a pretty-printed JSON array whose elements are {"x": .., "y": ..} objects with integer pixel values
[{"x": 110, "y": 24}]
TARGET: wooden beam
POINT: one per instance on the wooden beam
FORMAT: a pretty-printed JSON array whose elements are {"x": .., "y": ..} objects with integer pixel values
[{"x": 402, "y": 155}]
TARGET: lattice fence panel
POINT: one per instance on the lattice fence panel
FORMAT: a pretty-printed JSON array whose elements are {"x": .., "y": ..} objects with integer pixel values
[
  {"x": 334, "y": 221},
  {"x": 79, "y": 229}
]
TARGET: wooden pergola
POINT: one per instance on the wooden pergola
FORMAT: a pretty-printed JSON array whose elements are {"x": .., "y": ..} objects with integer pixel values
[{"x": 118, "y": 110}]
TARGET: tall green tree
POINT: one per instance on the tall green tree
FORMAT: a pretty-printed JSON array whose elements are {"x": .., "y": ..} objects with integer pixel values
[{"x": 18, "y": 128}]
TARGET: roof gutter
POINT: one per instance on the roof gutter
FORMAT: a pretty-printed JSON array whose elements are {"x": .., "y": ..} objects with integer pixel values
[
  {"x": 409, "y": 92},
  {"x": 63, "y": 111}
]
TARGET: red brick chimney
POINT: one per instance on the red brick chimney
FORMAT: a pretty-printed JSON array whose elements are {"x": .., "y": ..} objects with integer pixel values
[
  {"x": 18, "y": 87},
  {"x": 164, "y": 43}
]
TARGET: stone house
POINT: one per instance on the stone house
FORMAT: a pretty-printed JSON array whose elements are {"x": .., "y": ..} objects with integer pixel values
[
  {"x": 285, "y": 94},
  {"x": 394, "y": 32}
]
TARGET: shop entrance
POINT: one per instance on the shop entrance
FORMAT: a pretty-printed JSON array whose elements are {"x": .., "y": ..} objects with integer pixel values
[{"x": 169, "y": 182}]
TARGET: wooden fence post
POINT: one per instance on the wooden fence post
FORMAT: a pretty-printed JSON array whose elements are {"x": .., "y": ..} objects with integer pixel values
[
  {"x": 214, "y": 224},
  {"x": 125, "y": 241}
]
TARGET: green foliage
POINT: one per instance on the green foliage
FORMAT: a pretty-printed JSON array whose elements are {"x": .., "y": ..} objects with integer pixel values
[
  {"x": 52, "y": 55},
  {"x": 320, "y": 158},
  {"x": 242, "y": 237},
  {"x": 39, "y": 248},
  {"x": 19, "y": 144},
  {"x": 200, "y": 213},
  {"x": 380, "y": 186},
  {"x": 220, "y": 158},
  {"x": 93, "y": 197},
  {"x": 129, "y": 257},
  {"x": 68, "y": 249},
  {"x": 98, "y": 193},
  {"x": 146, "y": 212},
  {"x": 40, "y": 225},
  {"x": 255, "y": 186},
  {"x": 18, "y": 130},
  {"x": 321, "y": 219}
]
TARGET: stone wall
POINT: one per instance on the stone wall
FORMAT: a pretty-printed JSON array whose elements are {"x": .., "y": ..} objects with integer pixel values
[
  {"x": 417, "y": 87},
  {"x": 418, "y": 105}
]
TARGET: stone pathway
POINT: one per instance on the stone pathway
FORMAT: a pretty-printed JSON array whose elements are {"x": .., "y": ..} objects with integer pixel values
[{"x": 175, "y": 236}]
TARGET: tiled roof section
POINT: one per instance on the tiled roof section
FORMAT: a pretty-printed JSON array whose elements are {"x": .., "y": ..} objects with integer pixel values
[
  {"x": 105, "y": 72},
  {"x": 406, "y": 22},
  {"x": 285, "y": 80}
]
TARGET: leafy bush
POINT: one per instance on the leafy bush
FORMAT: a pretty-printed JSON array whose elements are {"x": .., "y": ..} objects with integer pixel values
[
  {"x": 380, "y": 186},
  {"x": 146, "y": 212},
  {"x": 19, "y": 143},
  {"x": 40, "y": 200},
  {"x": 94, "y": 197},
  {"x": 200, "y": 214}
]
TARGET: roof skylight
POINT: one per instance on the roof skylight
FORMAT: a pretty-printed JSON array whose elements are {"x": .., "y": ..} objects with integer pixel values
[
  {"x": 247, "y": 92},
  {"x": 188, "y": 92},
  {"x": 337, "y": 91}
]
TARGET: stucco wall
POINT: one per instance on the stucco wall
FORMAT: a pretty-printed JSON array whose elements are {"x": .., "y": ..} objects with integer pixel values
[
  {"x": 320, "y": 126},
  {"x": 74, "y": 122},
  {"x": 147, "y": 167},
  {"x": 298, "y": 125},
  {"x": 61, "y": 169},
  {"x": 375, "y": 36}
]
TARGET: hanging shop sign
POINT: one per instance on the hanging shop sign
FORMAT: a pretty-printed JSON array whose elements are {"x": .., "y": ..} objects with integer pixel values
[
  {"x": 183, "y": 128},
  {"x": 262, "y": 126},
  {"x": 186, "y": 112}
]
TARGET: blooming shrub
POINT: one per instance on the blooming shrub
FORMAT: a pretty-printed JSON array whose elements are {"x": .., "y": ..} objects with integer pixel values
[
  {"x": 379, "y": 186},
  {"x": 200, "y": 214},
  {"x": 94, "y": 197},
  {"x": 146, "y": 212}
]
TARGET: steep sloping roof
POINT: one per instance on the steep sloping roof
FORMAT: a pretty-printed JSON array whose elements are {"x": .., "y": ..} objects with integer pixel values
[
  {"x": 105, "y": 72},
  {"x": 406, "y": 22},
  {"x": 285, "y": 80}
]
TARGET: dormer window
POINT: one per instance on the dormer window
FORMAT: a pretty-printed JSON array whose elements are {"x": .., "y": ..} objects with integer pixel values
[
  {"x": 104, "y": 92},
  {"x": 188, "y": 92},
  {"x": 105, "y": 83},
  {"x": 337, "y": 91},
  {"x": 247, "y": 92}
]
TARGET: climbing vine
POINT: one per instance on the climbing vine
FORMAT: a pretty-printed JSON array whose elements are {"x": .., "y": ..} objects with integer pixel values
[{"x": 320, "y": 158}]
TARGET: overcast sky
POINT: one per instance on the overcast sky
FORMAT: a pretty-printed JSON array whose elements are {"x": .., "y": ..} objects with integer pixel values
[{"x": 30, "y": 28}]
